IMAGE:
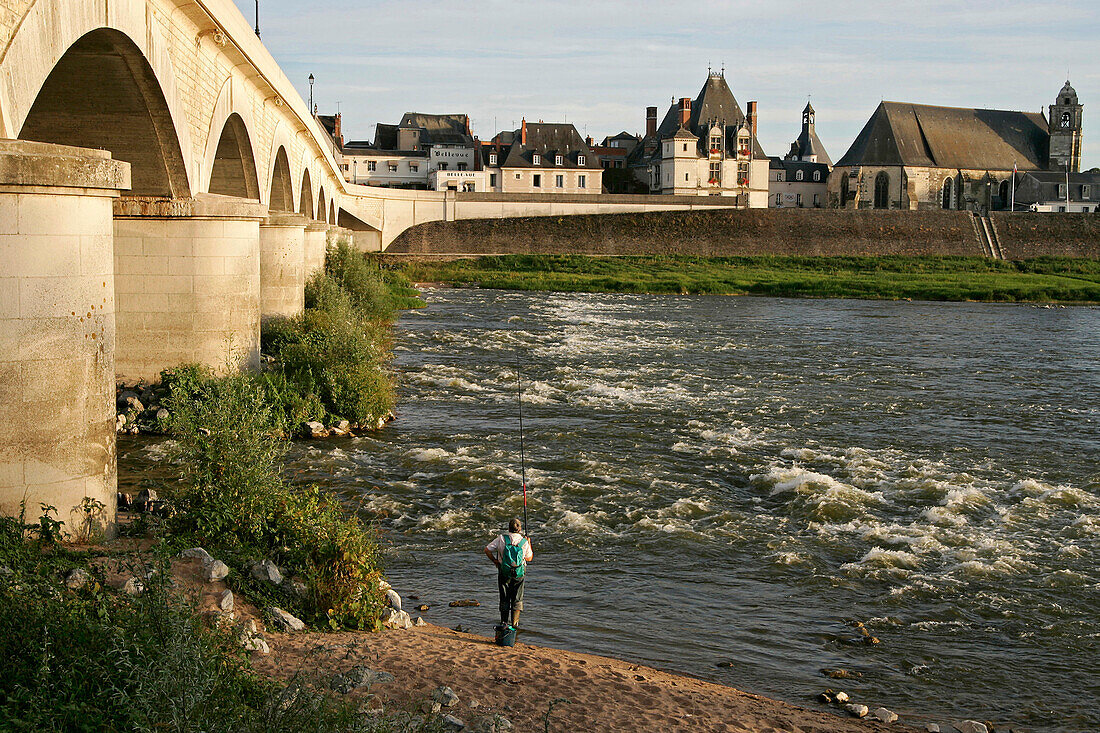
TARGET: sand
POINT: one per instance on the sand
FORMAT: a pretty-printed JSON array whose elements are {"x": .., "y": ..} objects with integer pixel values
[{"x": 520, "y": 683}]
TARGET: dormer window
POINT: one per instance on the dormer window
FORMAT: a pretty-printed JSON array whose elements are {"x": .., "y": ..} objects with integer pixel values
[
  {"x": 798, "y": 175},
  {"x": 716, "y": 143},
  {"x": 492, "y": 158},
  {"x": 558, "y": 160},
  {"x": 580, "y": 160},
  {"x": 817, "y": 175},
  {"x": 536, "y": 159}
]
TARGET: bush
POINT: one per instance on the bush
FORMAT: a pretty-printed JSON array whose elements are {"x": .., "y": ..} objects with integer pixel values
[
  {"x": 331, "y": 361},
  {"x": 233, "y": 500}
]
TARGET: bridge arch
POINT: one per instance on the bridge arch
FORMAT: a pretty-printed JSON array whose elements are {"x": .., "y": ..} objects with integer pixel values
[
  {"x": 305, "y": 206},
  {"x": 233, "y": 171},
  {"x": 332, "y": 211},
  {"x": 281, "y": 194},
  {"x": 322, "y": 207},
  {"x": 103, "y": 93}
]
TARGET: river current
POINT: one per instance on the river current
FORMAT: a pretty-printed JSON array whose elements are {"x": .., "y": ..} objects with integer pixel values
[{"x": 736, "y": 480}]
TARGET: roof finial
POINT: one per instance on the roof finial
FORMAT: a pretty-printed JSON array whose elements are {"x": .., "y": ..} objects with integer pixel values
[{"x": 723, "y": 69}]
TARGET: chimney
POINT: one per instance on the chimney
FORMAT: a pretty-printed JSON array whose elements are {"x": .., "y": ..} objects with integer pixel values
[
  {"x": 650, "y": 121},
  {"x": 685, "y": 111},
  {"x": 588, "y": 141},
  {"x": 337, "y": 132},
  {"x": 468, "y": 126},
  {"x": 523, "y": 132},
  {"x": 752, "y": 119}
]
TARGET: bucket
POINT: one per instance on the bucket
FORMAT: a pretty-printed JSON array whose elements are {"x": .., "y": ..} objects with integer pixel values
[{"x": 506, "y": 635}]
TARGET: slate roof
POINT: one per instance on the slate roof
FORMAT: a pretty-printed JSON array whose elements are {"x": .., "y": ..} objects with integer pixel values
[
  {"x": 807, "y": 167},
  {"x": 808, "y": 142},
  {"x": 900, "y": 133},
  {"x": 439, "y": 129},
  {"x": 715, "y": 103},
  {"x": 549, "y": 140}
]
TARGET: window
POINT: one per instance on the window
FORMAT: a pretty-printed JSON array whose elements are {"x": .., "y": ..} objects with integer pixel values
[
  {"x": 392, "y": 167},
  {"x": 442, "y": 166},
  {"x": 537, "y": 181},
  {"x": 580, "y": 160},
  {"x": 582, "y": 181},
  {"x": 517, "y": 176},
  {"x": 559, "y": 181},
  {"x": 492, "y": 158},
  {"x": 345, "y": 167},
  {"x": 558, "y": 160},
  {"x": 779, "y": 199},
  {"x": 817, "y": 175},
  {"x": 716, "y": 143},
  {"x": 414, "y": 167},
  {"x": 715, "y": 174},
  {"x": 371, "y": 164},
  {"x": 817, "y": 200},
  {"x": 798, "y": 175},
  {"x": 1086, "y": 191},
  {"x": 798, "y": 200},
  {"x": 882, "y": 190},
  {"x": 947, "y": 189},
  {"x": 462, "y": 166},
  {"x": 1061, "y": 190},
  {"x": 685, "y": 147},
  {"x": 537, "y": 159},
  {"x": 685, "y": 177},
  {"x": 493, "y": 180}
]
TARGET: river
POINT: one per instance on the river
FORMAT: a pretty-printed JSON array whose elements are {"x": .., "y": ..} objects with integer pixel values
[{"x": 717, "y": 479}]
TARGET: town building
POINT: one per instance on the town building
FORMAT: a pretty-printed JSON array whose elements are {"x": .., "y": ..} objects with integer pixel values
[
  {"x": 799, "y": 180},
  {"x": 705, "y": 147},
  {"x": 1058, "y": 191},
  {"x": 916, "y": 156},
  {"x": 541, "y": 157},
  {"x": 423, "y": 151}
]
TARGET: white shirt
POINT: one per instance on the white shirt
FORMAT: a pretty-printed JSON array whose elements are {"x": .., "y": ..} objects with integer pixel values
[{"x": 496, "y": 547}]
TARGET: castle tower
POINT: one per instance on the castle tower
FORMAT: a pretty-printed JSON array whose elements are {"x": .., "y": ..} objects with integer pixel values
[{"x": 1065, "y": 131}]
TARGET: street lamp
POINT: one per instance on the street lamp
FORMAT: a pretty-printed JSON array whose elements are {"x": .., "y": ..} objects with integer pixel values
[
  {"x": 311, "y": 93},
  {"x": 257, "y": 18}
]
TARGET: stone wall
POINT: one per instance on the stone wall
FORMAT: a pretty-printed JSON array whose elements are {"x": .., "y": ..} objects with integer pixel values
[
  {"x": 706, "y": 233},
  {"x": 1034, "y": 235}
]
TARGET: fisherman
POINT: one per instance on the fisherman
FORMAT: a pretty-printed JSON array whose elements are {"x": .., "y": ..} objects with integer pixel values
[{"x": 510, "y": 552}]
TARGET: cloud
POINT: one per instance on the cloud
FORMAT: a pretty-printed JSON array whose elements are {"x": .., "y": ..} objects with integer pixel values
[{"x": 599, "y": 64}]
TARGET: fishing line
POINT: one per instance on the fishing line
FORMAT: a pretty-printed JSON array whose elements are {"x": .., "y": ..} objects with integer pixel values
[{"x": 522, "y": 460}]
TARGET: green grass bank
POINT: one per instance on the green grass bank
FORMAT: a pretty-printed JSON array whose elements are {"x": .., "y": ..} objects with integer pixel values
[{"x": 1040, "y": 280}]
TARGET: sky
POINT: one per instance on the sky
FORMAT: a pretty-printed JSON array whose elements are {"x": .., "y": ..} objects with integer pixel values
[{"x": 600, "y": 63}]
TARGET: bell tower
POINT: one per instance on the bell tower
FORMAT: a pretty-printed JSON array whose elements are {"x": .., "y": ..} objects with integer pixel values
[{"x": 1064, "y": 125}]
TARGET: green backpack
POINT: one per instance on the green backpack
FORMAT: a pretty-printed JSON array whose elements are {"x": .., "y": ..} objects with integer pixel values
[{"x": 512, "y": 564}]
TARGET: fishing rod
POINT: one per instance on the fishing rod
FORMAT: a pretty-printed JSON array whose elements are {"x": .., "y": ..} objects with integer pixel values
[{"x": 522, "y": 460}]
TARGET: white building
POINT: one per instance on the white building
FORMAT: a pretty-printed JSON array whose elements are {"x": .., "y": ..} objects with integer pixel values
[
  {"x": 542, "y": 158},
  {"x": 800, "y": 179},
  {"x": 707, "y": 147}
]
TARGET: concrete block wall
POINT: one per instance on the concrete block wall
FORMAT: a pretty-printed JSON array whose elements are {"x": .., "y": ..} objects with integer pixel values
[
  {"x": 57, "y": 333},
  {"x": 188, "y": 287},
  {"x": 282, "y": 266}
]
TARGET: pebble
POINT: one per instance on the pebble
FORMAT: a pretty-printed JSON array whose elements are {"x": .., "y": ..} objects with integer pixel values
[
  {"x": 423, "y": 607},
  {"x": 197, "y": 553},
  {"x": 284, "y": 621},
  {"x": 468, "y": 603},
  {"x": 724, "y": 664},
  {"x": 393, "y": 599},
  {"x": 445, "y": 696},
  {"x": 267, "y": 572},
  {"x": 855, "y": 710},
  {"x": 314, "y": 429},
  {"x": 450, "y": 722},
  {"x": 841, "y": 696},
  {"x": 886, "y": 716},
  {"x": 225, "y": 601},
  {"x": 77, "y": 579},
  {"x": 394, "y": 619},
  {"x": 420, "y": 621},
  {"x": 255, "y": 644},
  {"x": 353, "y": 679},
  {"x": 932, "y": 728},
  {"x": 971, "y": 726},
  {"x": 430, "y": 707},
  {"x": 216, "y": 570},
  {"x": 493, "y": 724}
]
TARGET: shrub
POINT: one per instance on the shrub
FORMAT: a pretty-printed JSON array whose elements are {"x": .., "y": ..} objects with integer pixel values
[{"x": 233, "y": 500}]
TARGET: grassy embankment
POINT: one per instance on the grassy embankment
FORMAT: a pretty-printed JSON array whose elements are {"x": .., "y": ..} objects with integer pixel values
[
  {"x": 1045, "y": 279},
  {"x": 96, "y": 658}
]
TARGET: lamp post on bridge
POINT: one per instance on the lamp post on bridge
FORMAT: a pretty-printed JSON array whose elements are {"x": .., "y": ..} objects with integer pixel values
[
  {"x": 257, "y": 18},
  {"x": 311, "y": 93}
]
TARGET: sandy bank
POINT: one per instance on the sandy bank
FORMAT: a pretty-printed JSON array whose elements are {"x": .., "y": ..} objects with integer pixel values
[{"x": 602, "y": 693}]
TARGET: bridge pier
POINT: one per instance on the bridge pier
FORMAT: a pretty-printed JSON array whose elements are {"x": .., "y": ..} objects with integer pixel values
[
  {"x": 282, "y": 265},
  {"x": 316, "y": 241},
  {"x": 187, "y": 284},
  {"x": 57, "y": 333}
]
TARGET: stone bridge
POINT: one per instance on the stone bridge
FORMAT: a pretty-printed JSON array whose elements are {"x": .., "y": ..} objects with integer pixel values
[{"x": 162, "y": 188}]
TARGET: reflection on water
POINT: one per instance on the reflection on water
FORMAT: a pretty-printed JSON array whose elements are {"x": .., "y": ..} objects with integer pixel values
[{"x": 733, "y": 479}]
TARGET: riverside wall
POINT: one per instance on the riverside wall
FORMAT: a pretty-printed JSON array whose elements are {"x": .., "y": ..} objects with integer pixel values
[{"x": 723, "y": 232}]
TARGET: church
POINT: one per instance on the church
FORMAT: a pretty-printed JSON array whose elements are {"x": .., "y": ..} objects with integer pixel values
[{"x": 919, "y": 157}]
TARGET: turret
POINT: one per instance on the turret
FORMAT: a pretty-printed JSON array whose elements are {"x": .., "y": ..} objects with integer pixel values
[{"x": 1064, "y": 125}]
